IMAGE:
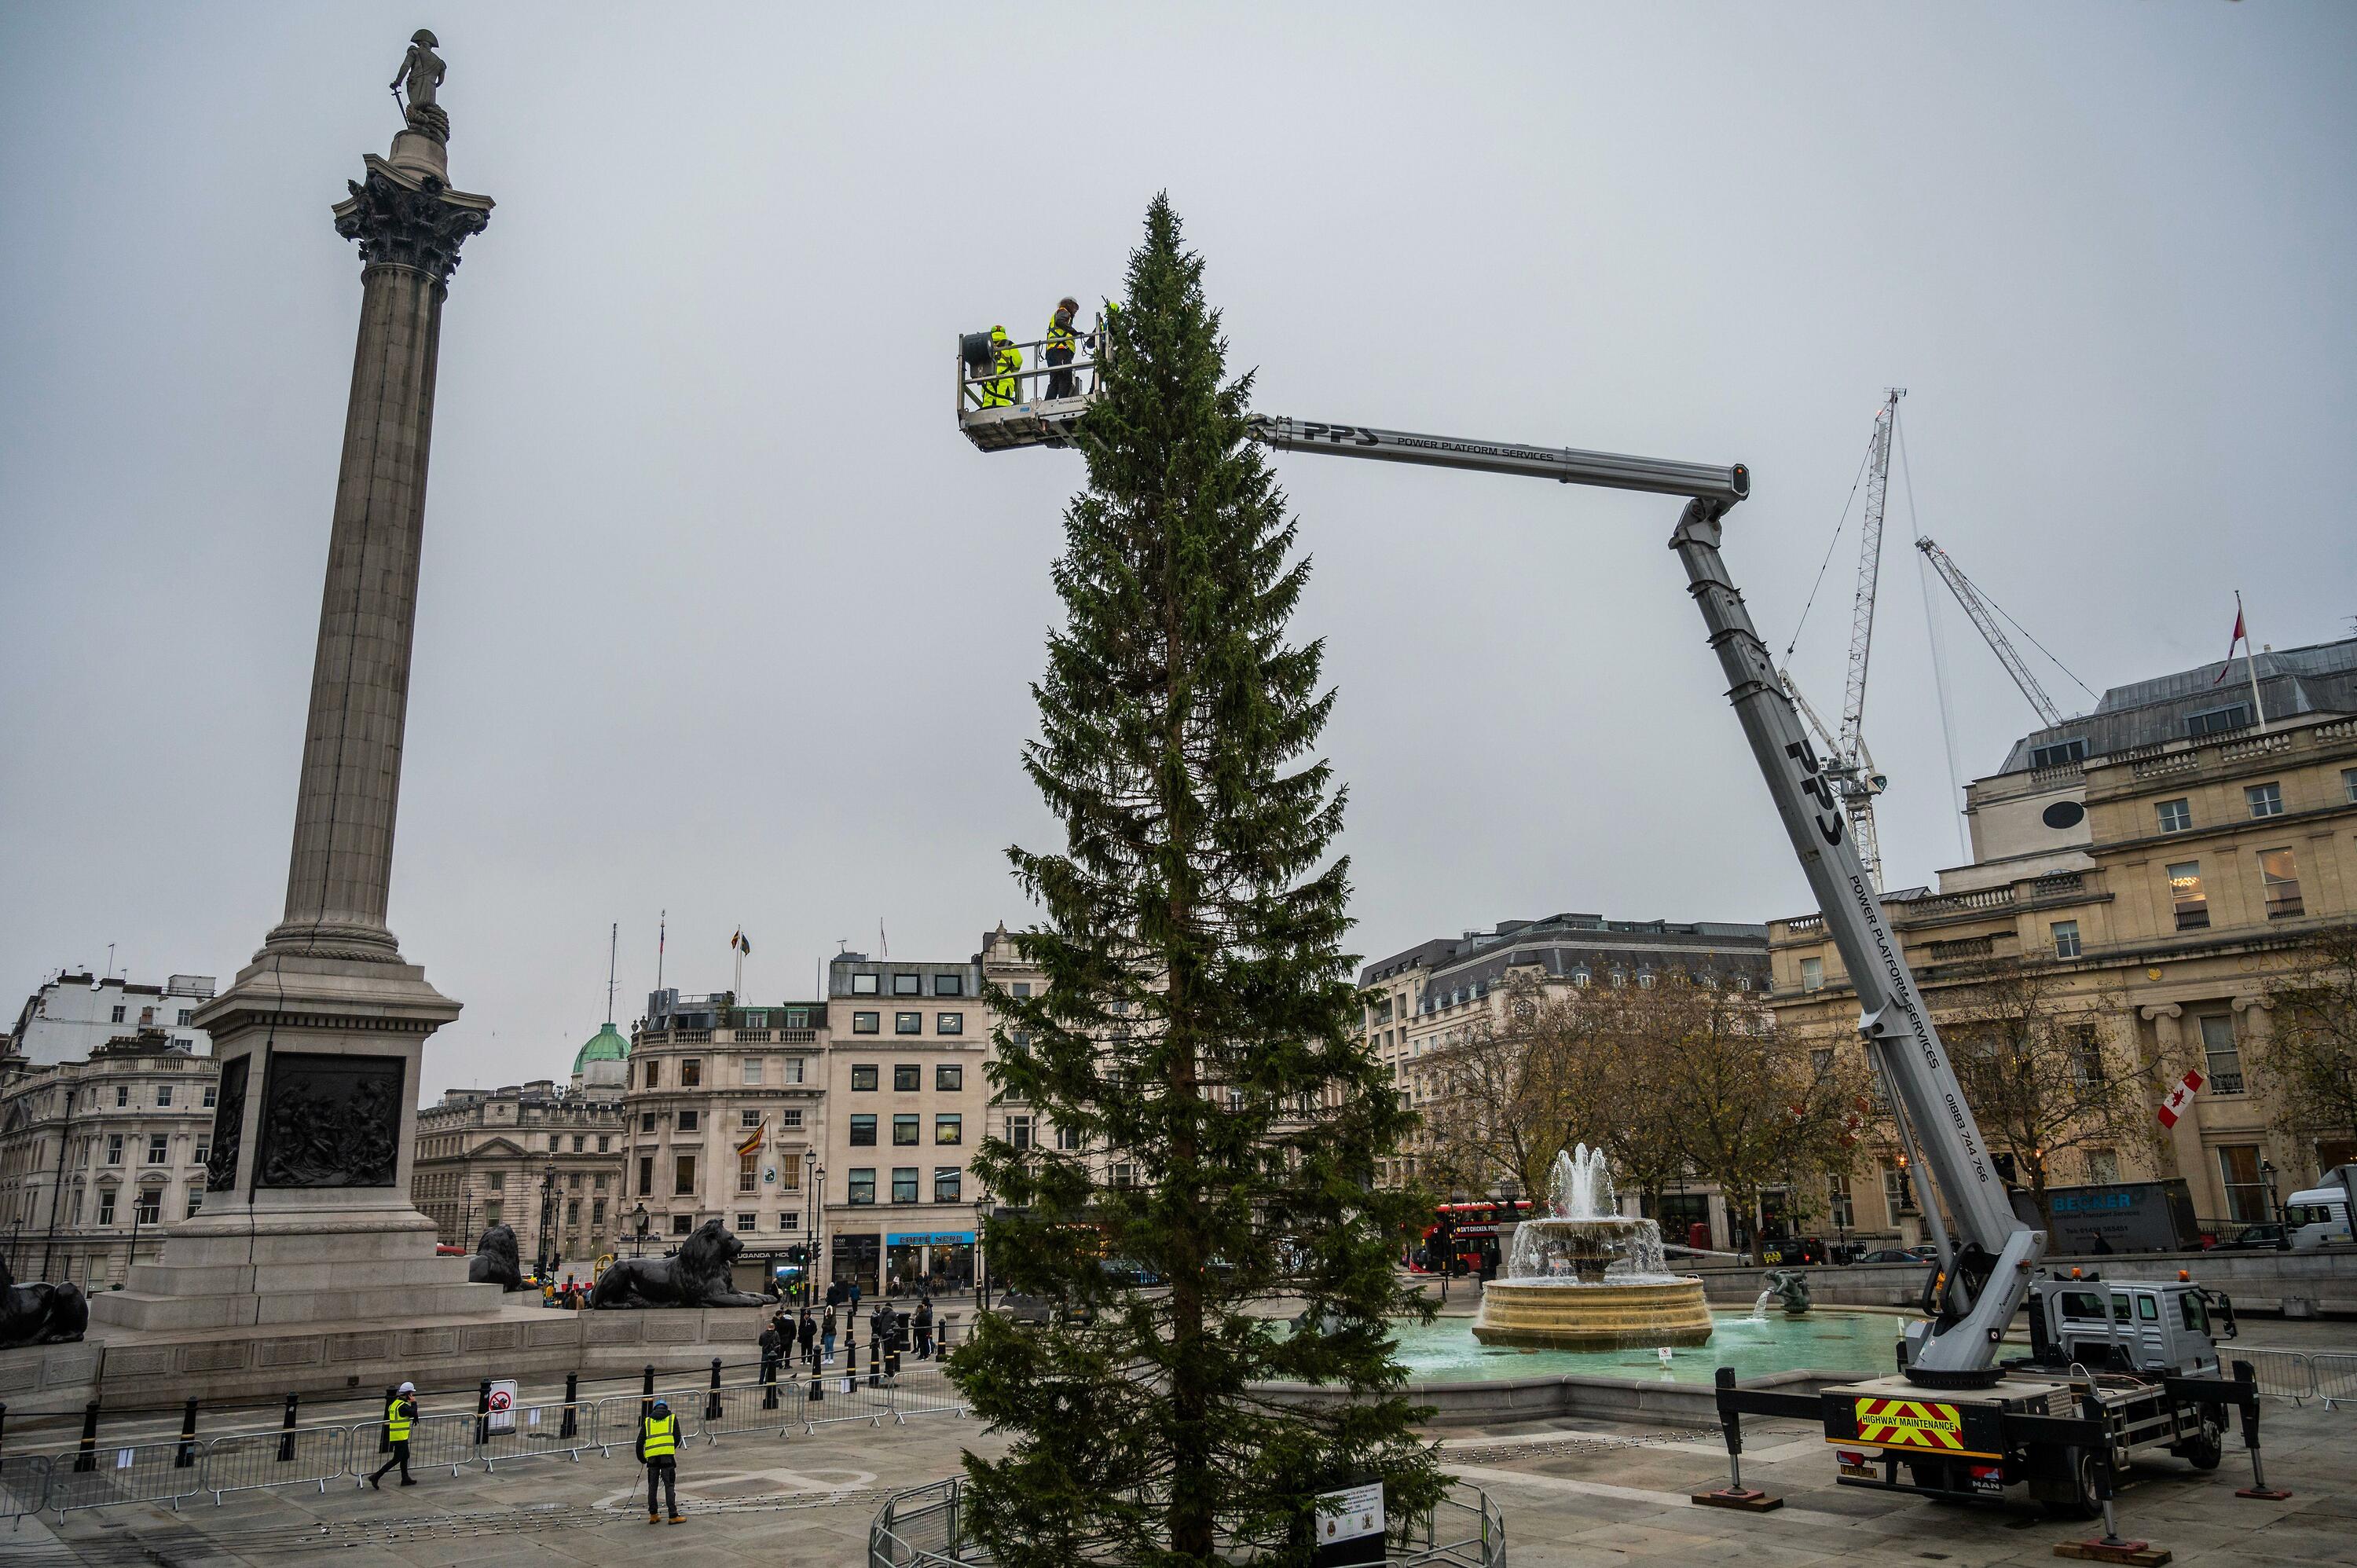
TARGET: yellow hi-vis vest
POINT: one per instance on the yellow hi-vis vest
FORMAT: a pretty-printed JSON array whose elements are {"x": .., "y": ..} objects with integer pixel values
[
  {"x": 396, "y": 1419},
  {"x": 661, "y": 1436},
  {"x": 1058, "y": 336}
]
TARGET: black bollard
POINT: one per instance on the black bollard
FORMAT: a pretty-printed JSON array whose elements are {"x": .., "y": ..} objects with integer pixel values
[
  {"x": 571, "y": 1427},
  {"x": 483, "y": 1414},
  {"x": 186, "y": 1457},
  {"x": 87, "y": 1459},
  {"x": 647, "y": 1393},
  {"x": 711, "y": 1400},
  {"x": 286, "y": 1431},
  {"x": 874, "y": 1362}
]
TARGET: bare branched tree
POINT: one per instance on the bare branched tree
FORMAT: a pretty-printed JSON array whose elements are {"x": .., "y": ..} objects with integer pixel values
[{"x": 2308, "y": 1059}]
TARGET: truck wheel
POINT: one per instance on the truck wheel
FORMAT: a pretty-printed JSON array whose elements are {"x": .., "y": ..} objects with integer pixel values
[
  {"x": 2079, "y": 1472},
  {"x": 2205, "y": 1447}
]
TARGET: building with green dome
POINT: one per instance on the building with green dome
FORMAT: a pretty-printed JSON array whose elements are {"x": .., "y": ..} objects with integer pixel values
[{"x": 603, "y": 1060}]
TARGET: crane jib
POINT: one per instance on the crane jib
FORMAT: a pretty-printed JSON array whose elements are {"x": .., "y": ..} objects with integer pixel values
[{"x": 1723, "y": 483}]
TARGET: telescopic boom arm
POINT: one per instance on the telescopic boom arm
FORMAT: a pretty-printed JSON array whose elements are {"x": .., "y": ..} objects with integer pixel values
[{"x": 1989, "y": 1276}]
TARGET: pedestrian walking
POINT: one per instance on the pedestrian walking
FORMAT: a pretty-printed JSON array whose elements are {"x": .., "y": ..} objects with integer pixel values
[
  {"x": 400, "y": 1414},
  {"x": 826, "y": 1337},
  {"x": 659, "y": 1452},
  {"x": 924, "y": 1325},
  {"x": 808, "y": 1331}
]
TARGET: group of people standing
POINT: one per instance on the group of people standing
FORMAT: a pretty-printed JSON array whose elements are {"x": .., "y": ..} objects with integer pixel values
[{"x": 808, "y": 1337}]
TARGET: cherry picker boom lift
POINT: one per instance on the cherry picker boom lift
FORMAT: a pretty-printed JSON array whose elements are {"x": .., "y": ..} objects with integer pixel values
[{"x": 1963, "y": 1425}]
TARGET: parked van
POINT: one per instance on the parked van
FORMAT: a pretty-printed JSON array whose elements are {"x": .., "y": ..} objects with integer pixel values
[{"x": 2317, "y": 1217}]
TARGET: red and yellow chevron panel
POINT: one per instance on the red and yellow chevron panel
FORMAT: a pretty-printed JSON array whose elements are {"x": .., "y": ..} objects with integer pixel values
[{"x": 1911, "y": 1424}]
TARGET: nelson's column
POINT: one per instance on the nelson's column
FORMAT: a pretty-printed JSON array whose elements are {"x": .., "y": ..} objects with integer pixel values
[{"x": 307, "y": 1214}]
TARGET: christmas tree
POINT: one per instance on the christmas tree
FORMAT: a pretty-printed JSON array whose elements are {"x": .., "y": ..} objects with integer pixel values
[{"x": 1210, "y": 1117}]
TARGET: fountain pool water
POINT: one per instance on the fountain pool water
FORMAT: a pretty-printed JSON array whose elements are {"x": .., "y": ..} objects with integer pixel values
[
  {"x": 1586, "y": 1277},
  {"x": 1444, "y": 1350}
]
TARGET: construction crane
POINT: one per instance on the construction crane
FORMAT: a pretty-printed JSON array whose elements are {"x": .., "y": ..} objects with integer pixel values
[
  {"x": 1984, "y": 620},
  {"x": 2018, "y": 1421}
]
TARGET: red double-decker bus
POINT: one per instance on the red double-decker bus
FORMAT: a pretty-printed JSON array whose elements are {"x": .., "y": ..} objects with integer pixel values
[{"x": 1462, "y": 1237}]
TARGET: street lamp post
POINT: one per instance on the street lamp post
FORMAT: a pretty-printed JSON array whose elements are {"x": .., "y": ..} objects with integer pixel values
[
  {"x": 981, "y": 1258},
  {"x": 809, "y": 1231},
  {"x": 818, "y": 1220},
  {"x": 542, "y": 1261}
]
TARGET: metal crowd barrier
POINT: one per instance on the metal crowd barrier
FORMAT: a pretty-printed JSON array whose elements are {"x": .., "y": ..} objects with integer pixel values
[
  {"x": 923, "y": 1388},
  {"x": 435, "y": 1442},
  {"x": 121, "y": 1473},
  {"x": 2286, "y": 1374},
  {"x": 841, "y": 1392},
  {"x": 743, "y": 1410},
  {"x": 2333, "y": 1375},
  {"x": 552, "y": 1429},
  {"x": 293, "y": 1456},
  {"x": 24, "y": 1487},
  {"x": 616, "y": 1422}
]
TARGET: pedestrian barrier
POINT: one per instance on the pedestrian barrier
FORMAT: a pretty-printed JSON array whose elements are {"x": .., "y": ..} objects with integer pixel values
[
  {"x": 293, "y": 1456},
  {"x": 616, "y": 1420},
  {"x": 536, "y": 1432},
  {"x": 24, "y": 1487},
  {"x": 923, "y": 1388},
  {"x": 2333, "y": 1374},
  {"x": 435, "y": 1442},
  {"x": 125, "y": 1473},
  {"x": 746, "y": 1409},
  {"x": 2286, "y": 1374},
  {"x": 841, "y": 1392}
]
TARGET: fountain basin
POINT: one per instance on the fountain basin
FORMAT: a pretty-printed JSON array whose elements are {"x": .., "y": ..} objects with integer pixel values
[{"x": 1556, "y": 1315}]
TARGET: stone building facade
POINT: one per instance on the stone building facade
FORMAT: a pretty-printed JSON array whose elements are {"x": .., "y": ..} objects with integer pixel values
[
  {"x": 73, "y": 1015},
  {"x": 547, "y": 1162},
  {"x": 2161, "y": 859},
  {"x": 97, "y": 1156}
]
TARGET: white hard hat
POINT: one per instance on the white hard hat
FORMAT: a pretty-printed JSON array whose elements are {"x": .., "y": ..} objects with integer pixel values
[{"x": 406, "y": 1388}]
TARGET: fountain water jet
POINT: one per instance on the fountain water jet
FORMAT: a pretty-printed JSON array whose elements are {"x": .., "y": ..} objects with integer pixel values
[{"x": 1587, "y": 1277}]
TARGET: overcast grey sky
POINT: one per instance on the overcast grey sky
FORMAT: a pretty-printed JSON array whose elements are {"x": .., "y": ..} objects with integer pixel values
[{"x": 719, "y": 614}]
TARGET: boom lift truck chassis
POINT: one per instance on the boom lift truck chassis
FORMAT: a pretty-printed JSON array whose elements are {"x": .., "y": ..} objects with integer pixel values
[{"x": 1964, "y": 1427}]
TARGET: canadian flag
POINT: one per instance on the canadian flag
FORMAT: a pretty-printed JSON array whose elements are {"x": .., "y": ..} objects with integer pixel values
[{"x": 2179, "y": 1098}]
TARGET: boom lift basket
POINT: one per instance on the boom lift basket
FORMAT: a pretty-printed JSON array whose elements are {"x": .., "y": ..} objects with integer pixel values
[{"x": 1002, "y": 412}]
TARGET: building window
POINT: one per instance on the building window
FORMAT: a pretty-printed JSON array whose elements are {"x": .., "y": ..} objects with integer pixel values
[
  {"x": 572, "y": 1211},
  {"x": 211, "y": 1095},
  {"x": 106, "y": 1196},
  {"x": 2066, "y": 939},
  {"x": 121, "y": 1095},
  {"x": 1067, "y": 1140},
  {"x": 949, "y": 1023},
  {"x": 2348, "y": 785},
  {"x": 907, "y": 1022},
  {"x": 597, "y": 1210},
  {"x": 753, "y": 1071},
  {"x": 690, "y": 1122},
  {"x": 1896, "y": 1195},
  {"x": 861, "y": 1187},
  {"x": 863, "y": 986},
  {"x": 866, "y": 1024},
  {"x": 749, "y": 1121},
  {"x": 748, "y": 1174},
  {"x": 2086, "y": 1053},
  {"x": 115, "y": 1148},
  {"x": 204, "y": 1148},
  {"x": 1821, "y": 1065},
  {"x": 905, "y": 1129},
  {"x": 863, "y": 1077},
  {"x": 1022, "y": 988},
  {"x": 798, "y": 1018},
  {"x": 2223, "y": 1056},
  {"x": 2279, "y": 875},
  {"x": 2185, "y": 893},
  {"x": 605, "y": 1143},
  {"x": 160, "y": 1149},
  {"x": 904, "y": 1184},
  {"x": 2238, "y": 1170},
  {"x": 683, "y": 1175},
  {"x": 597, "y": 1182},
  {"x": 646, "y": 1175},
  {"x": 791, "y": 1071},
  {"x": 573, "y": 1181},
  {"x": 653, "y": 1073},
  {"x": 2059, "y": 753},
  {"x": 1018, "y": 1132},
  {"x": 2176, "y": 816},
  {"x": 2265, "y": 800},
  {"x": 908, "y": 985},
  {"x": 753, "y": 1020},
  {"x": 577, "y": 1143},
  {"x": 691, "y": 1073},
  {"x": 116, "y": 1019},
  {"x": 196, "y": 1199},
  {"x": 748, "y": 1222},
  {"x": 2102, "y": 1167},
  {"x": 907, "y": 1078},
  {"x": 163, "y": 1097},
  {"x": 1125, "y": 1174},
  {"x": 948, "y": 985},
  {"x": 646, "y": 1122},
  {"x": 949, "y": 1184},
  {"x": 949, "y": 1129},
  {"x": 151, "y": 1206},
  {"x": 682, "y": 1224},
  {"x": 2217, "y": 721},
  {"x": 792, "y": 1117},
  {"x": 863, "y": 1131},
  {"x": 948, "y": 1076},
  {"x": 1813, "y": 974}
]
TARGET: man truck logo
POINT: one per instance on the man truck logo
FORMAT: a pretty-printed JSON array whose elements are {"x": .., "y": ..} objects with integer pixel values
[{"x": 1910, "y": 1423}]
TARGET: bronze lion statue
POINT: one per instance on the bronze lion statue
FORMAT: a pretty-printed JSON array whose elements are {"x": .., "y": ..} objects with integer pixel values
[
  {"x": 696, "y": 1275},
  {"x": 39, "y": 1314},
  {"x": 496, "y": 1260}
]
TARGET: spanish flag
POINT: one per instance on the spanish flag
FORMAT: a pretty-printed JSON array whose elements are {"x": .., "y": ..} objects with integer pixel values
[{"x": 752, "y": 1143}]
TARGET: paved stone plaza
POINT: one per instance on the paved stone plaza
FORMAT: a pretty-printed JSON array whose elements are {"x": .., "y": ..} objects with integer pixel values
[{"x": 1581, "y": 1494}]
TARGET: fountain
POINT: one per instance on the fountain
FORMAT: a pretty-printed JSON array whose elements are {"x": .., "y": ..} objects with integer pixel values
[{"x": 1587, "y": 1277}]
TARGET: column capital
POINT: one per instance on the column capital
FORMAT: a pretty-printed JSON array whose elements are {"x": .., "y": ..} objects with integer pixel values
[
  {"x": 410, "y": 220},
  {"x": 2162, "y": 1010}
]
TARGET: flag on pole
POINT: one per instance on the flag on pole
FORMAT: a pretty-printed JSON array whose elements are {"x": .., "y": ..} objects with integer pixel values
[
  {"x": 2179, "y": 1098},
  {"x": 2242, "y": 639},
  {"x": 752, "y": 1143},
  {"x": 738, "y": 942}
]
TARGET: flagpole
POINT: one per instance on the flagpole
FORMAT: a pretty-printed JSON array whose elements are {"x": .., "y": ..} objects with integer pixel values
[
  {"x": 2250, "y": 662},
  {"x": 662, "y": 931}
]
